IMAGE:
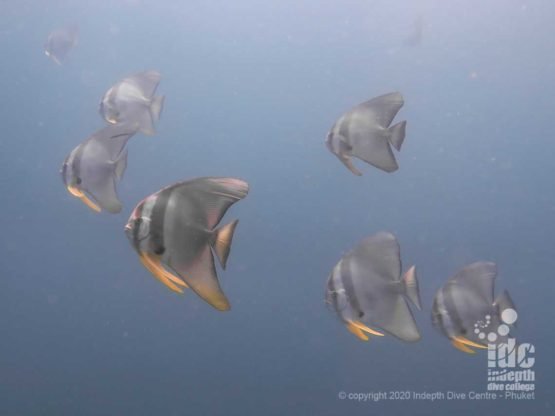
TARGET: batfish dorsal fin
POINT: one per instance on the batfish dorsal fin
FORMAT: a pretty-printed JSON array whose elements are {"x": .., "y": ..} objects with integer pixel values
[
  {"x": 479, "y": 277},
  {"x": 114, "y": 138},
  {"x": 213, "y": 196},
  {"x": 147, "y": 81},
  {"x": 379, "y": 254},
  {"x": 382, "y": 109}
]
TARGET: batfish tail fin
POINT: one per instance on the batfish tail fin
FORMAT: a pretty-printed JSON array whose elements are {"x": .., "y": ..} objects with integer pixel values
[
  {"x": 410, "y": 283},
  {"x": 397, "y": 134},
  {"x": 221, "y": 241},
  {"x": 146, "y": 124},
  {"x": 156, "y": 107}
]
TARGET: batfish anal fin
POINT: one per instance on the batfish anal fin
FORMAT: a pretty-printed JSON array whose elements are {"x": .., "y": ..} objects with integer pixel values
[{"x": 200, "y": 276}]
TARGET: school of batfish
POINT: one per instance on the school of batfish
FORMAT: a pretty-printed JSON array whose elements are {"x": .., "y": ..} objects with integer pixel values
[{"x": 176, "y": 231}]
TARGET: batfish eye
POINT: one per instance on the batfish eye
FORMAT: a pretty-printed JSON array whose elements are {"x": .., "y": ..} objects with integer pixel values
[
  {"x": 78, "y": 181},
  {"x": 360, "y": 314},
  {"x": 159, "y": 250},
  {"x": 139, "y": 221}
]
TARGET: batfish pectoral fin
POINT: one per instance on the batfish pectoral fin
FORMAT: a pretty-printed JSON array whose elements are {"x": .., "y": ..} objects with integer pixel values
[
  {"x": 74, "y": 191},
  {"x": 357, "y": 331},
  {"x": 81, "y": 195},
  {"x": 349, "y": 163},
  {"x": 462, "y": 347},
  {"x": 364, "y": 328},
  {"x": 152, "y": 264},
  {"x": 465, "y": 343}
]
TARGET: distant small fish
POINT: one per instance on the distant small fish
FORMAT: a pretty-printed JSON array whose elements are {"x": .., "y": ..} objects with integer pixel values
[
  {"x": 465, "y": 312},
  {"x": 60, "y": 42},
  {"x": 416, "y": 34},
  {"x": 366, "y": 290},
  {"x": 132, "y": 101},
  {"x": 92, "y": 169},
  {"x": 174, "y": 232},
  {"x": 364, "y": 132}
]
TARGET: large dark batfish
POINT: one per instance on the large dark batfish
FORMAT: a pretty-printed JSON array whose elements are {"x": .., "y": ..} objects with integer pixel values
[
  {"x": 132, "y": 101},
  {"x": 465, "y": 311},
  {"x": 366, "y": 290},
  {"x": 174, "y": 232},
  {"x": 60, "y": 42},
  {"x": 364, "y": 132},
  {"x": 91, "y": 170}
]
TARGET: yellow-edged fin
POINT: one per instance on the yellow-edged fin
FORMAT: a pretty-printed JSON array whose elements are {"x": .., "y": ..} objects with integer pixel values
[
  {"x": 364, "y": 328},
  {"x": 466, "y": 341},
  {"x": 174, "y": 279},
  {"x": 153, "y": 265},
  {"x": 81, "y": 195},
  {"x": 90, "y": 203},
  {"x": 356, "y": 330},
  {"x": 461, "y": 347},
  {"x": 74, "y": 191}
]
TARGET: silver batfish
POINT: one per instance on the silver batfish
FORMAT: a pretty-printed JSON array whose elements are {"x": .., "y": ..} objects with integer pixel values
[
  {"x": 174, "y": 233},
  {"x": 60, "y": 42},
  {"x": 366, "y": 290},
  {"x": 90, "y": 172},
  {"x": 132, "y": 101},
  {"x": 464, "y": 309},
  {"x": 364, "y": 132}
]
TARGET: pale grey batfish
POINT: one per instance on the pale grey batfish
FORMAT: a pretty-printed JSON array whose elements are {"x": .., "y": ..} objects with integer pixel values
[
  {"x": 366, "y": 290},
  {"x": 464, "y": 309},
  {"x": 364, "y": 132},
  {"x": 60, "y": 42},
  {"x": 90, "y": 172},
  {"x": 132, "y": 101}
]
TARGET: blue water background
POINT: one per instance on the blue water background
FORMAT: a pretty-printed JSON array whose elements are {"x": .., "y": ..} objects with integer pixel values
[{"x": 252, "y": 88}]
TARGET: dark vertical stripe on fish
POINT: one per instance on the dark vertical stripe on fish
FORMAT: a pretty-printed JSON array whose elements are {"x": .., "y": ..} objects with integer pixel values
[
  {"x": 137, "y": 226},
  {"x": 157, "y": 220},
  {"x": 451, "y": 309},
  {"x": 331, "y": 289},
  {"x": 347, "y": 281}
]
